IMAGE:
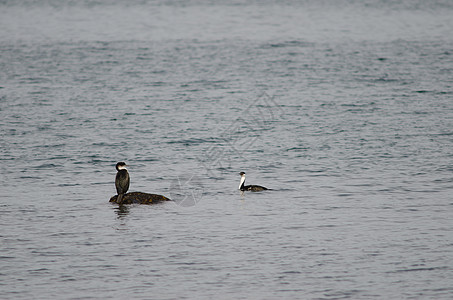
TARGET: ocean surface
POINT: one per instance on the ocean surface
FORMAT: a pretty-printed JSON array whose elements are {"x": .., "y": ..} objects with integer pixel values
[{"x": 343, "y": 108}]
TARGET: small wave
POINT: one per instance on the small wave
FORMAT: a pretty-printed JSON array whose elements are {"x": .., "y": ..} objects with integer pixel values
[
  {"x": 433, "y": 92},
  {"x": 45, "y": 166},
  {"x": 193, "y": 141},
  {"x": 419, "y": 269},
  {"x": 285, "y": 44}
]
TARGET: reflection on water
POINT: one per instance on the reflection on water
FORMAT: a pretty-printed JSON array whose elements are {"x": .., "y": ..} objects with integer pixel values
[{"x": 122, "y": 211}]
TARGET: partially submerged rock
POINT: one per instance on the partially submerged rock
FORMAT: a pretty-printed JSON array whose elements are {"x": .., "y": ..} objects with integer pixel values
[{"x": 140, "y": 198}]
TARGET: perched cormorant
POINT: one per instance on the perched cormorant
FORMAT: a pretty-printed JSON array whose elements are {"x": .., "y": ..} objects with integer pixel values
[
  {"x": 122, "y": 181},
  {"x": 253, "y": 188}
]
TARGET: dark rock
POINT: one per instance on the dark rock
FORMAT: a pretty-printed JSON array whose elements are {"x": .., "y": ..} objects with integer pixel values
[{"x": 140, "y": 198}]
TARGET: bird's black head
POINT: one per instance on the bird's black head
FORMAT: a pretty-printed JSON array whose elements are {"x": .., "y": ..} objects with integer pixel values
[
  {"x": 120, "y": 166},
  {"x": 242, "y": 173}
]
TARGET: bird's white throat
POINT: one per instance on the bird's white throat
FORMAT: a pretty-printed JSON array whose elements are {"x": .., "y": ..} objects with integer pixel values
[{"x": 242, "y": 181}]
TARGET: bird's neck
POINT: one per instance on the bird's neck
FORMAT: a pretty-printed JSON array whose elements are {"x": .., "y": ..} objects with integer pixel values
[{"x": 241, "y": 184}]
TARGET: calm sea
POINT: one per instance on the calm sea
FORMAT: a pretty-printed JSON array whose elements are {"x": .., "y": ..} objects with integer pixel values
[{"x": 343, "y": 108}]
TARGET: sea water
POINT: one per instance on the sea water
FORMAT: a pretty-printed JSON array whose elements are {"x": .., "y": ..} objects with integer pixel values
[{"x": 343, "y": 108}]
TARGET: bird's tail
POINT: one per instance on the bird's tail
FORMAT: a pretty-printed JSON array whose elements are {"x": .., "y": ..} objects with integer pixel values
[{"x": 119, "y": 200}]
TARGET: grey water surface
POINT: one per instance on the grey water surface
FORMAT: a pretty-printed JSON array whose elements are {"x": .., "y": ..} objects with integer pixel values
[{"x": 343, "y": 108}]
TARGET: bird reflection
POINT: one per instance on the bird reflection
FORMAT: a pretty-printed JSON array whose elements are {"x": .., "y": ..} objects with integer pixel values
[{"x": 122, "y": 211}]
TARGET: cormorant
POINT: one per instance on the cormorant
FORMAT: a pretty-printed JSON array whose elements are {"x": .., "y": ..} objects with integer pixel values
[{"x": 122, "y": 181}]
